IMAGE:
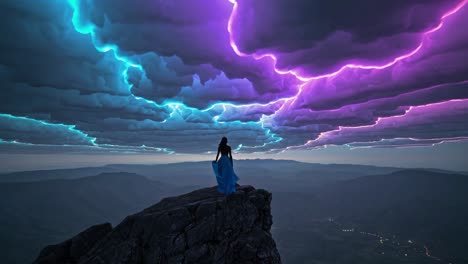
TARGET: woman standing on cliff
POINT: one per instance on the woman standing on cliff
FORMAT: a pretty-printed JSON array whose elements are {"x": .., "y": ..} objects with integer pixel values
[{"x": 223, "y": 169}]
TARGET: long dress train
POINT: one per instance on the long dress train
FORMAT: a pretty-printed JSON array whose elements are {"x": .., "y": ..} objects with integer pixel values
[{"x": 225, "y": 175}]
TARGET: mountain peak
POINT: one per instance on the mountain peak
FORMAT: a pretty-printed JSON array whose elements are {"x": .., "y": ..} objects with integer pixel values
[{"x": 202, "y": 226}]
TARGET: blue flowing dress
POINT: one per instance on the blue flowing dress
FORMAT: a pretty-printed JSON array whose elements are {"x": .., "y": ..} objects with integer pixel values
[{"x": 225, "y": 175}]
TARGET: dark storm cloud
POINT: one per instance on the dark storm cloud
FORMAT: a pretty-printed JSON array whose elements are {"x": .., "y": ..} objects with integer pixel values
[
  {"x": 194, "y": 31},
  {"x": 163, "y": 74},
  {"x": 189, "y": 137},
  {"x": 314, "y": 123},
  {"x": 449, "y": 119},
  {"x": 168, "y": 80},
  {"x": 25, "y": 130},
  {"x": 366, "y": 113},
  {"x": 39, "y": 47},
  {"x": 249, "y": 112},
  {"x": 320, "y": 36}
]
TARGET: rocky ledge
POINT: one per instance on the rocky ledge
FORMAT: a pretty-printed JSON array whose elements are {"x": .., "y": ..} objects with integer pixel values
[{"x": 202, "y": 226}]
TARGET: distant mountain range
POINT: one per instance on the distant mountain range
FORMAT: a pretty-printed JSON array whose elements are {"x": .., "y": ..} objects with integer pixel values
[
  {"x": 199, "y": 173},
  {"x": 37, "y": 213},
  {"x": 428, "y": 206}
]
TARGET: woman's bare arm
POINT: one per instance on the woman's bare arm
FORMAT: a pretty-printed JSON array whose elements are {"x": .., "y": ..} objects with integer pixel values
[
  {"x": 217, "y": 155},
  {"x": 230, "y": 154}
]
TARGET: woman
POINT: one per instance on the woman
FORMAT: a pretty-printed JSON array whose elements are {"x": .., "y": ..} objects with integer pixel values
[{"x": 223, "y": 169}]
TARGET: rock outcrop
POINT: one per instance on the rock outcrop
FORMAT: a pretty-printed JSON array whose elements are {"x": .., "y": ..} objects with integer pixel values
[{"x": 198, "y": 227}]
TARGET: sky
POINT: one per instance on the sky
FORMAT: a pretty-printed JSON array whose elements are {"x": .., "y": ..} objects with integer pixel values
[{"x": 155, "y": 81}]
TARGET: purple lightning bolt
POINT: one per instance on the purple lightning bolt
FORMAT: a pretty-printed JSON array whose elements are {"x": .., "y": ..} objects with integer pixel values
[
  {"x": 273, "y": 57},
  {"x": 306, "y": 79}
]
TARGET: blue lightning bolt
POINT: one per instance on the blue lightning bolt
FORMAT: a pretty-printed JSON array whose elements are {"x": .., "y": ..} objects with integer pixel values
[
  {"x": 74, "y": 131},
  {"x": 71, "y": 128},
  {"x": 88, "y": 28}
]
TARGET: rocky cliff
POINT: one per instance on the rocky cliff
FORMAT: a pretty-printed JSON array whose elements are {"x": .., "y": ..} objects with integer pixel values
[{"x": 198, "y": 227}]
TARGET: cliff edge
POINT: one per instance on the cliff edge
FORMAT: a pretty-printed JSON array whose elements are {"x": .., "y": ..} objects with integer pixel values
[{"x": 202, "y": 226}]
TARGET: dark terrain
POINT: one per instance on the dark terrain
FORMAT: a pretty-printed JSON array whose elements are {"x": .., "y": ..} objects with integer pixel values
[
  {"x": 393, "y": 213},
  {"x": 412, "y": 212},
  {"x": 199, "y": 227}
]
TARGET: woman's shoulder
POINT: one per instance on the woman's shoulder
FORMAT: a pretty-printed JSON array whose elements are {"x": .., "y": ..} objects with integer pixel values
[{"x": 225, "y": 147}]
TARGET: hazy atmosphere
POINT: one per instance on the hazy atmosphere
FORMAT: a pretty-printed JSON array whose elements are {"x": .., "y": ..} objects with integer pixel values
[
  {"x": 448, "y": 156},
  {"x": 234, "y": 131}
]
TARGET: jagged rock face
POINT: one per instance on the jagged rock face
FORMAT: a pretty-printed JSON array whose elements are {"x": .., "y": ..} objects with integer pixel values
[{"x": 199, "y": 227}]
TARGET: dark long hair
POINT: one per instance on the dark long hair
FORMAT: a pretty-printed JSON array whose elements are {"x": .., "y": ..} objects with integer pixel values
[{"x": 223, "y": 142}]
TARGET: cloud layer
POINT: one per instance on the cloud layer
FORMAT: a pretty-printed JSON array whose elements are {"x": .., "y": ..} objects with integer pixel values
[{"x": 176, "y": 76}]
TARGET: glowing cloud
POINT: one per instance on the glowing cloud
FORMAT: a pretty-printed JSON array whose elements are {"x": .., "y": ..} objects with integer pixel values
[{"x": 153, "y": 77}]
